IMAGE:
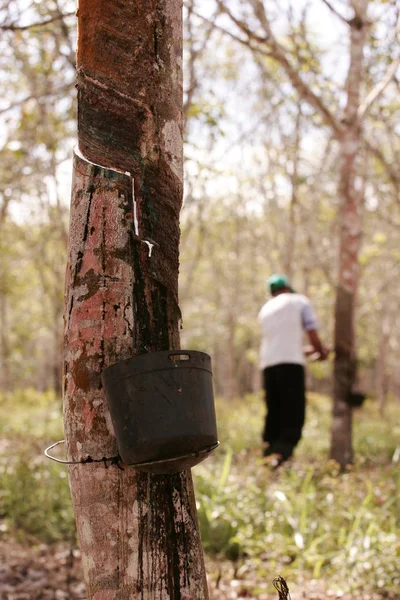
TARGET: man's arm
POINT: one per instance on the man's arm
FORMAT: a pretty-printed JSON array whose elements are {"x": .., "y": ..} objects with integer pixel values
[
  {"x": 310, "y": 325},
  {"x": 309, "y": 350},
  {"x": 317, "y": 345}
]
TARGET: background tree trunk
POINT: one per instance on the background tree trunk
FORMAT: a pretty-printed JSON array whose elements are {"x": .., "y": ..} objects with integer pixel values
[
  {"x": 138, "y": 533},
  {"x": 351, "y": 194},
  {"x": 382, "y": 384},
  {"x": 4, "y": 350},
  {"x": 291, "y": 239}
]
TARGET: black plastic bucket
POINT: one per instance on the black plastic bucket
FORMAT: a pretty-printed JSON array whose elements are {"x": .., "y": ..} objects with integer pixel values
[
  {"x": 162, "y": 408},
  {"x": 356, "y": 399}
]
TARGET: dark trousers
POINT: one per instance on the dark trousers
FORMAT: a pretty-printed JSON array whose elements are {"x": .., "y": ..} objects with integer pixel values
[{"x": 285, "y": 396}]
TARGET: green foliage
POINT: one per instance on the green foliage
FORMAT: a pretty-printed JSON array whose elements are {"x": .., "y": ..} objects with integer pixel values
[
  {"x": 29, "y": 414},
  {"x": 34, "y": 494},
  {"x": 34, "y": 498},
  {"x": 32, "y": 265},
  {"x": 307, "y": 520}
]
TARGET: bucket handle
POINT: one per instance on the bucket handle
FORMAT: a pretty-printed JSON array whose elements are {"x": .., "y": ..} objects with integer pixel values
[
  {"x": 178, "y": 355},
  {"x": 114, "y": 460}
]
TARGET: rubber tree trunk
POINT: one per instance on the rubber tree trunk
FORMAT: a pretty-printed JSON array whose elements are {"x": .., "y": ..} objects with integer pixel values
[
  {"x": 138, "y": 533},
  {"x": 351, "y": 194}
]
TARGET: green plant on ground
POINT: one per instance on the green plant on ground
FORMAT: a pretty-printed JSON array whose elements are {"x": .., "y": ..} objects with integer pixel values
[
  {"x": 306, "y": 521},
  {"x": 34, "y": 494},
  {"x": 35, "y": 499}
]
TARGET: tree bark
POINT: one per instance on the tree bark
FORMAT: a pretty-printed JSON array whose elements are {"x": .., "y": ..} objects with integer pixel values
[
  {"x": 138, "y": 532},
  {"x": 4, "y": 346},
  {"x": 291, "y": 238},
  {"x": 231, "y": 381},
  {"x": 382, "y": 374},
  {"x": 351, "y": 194}
]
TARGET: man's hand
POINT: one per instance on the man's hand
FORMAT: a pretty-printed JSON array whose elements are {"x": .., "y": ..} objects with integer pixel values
[
  {"x": 323, "y": 353},
  {"x": 314, "y": 354},
  {"x": 320, "y": 349},
  {"x": 309, "y": 350}
]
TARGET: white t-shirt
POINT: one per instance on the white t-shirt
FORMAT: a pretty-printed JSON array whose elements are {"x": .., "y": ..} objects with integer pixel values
[{"x": 283, "y": 319}]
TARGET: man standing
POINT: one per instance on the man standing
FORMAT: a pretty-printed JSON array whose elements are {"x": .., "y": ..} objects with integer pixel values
[{"x": 283, "y": 320}]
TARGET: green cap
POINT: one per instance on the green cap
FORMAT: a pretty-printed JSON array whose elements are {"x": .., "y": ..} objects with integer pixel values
[{"x": 277, "y": 282}]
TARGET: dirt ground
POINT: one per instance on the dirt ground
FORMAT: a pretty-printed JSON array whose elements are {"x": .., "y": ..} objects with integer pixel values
[{"x": 55, "y": 573}]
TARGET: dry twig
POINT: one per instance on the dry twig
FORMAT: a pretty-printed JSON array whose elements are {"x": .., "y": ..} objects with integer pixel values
[{"x": 282, "y": 588}]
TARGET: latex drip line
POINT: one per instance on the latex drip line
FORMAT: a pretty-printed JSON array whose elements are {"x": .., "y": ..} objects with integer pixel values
[
  {"x": 113, "y": 460},
  {"x": 150, "y": 243}
]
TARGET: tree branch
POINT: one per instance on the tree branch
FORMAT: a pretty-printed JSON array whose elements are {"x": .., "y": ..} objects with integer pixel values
[
  {"x": 379, "y": 88},
  {"x": 234, "y": 37},
  {"x": 242, "y": 26},
  {"x": 38, "y": 97},
  {"x": 278, "y": 53},
  {"x": 71, "y": 57},
  {"x": 14, "y": 27},
  {"x": 193, "y": 57},
  {"x": 335, "y": 12},
  {"x": 3, "y": 209},
  {"x": 388, "y": 219},
  {"x": 391, "y": 171}
]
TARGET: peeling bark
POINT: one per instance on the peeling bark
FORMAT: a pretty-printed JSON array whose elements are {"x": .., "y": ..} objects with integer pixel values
[
  {"x": 130, "y": 101},
  {"x": 138, "y": 532}
]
